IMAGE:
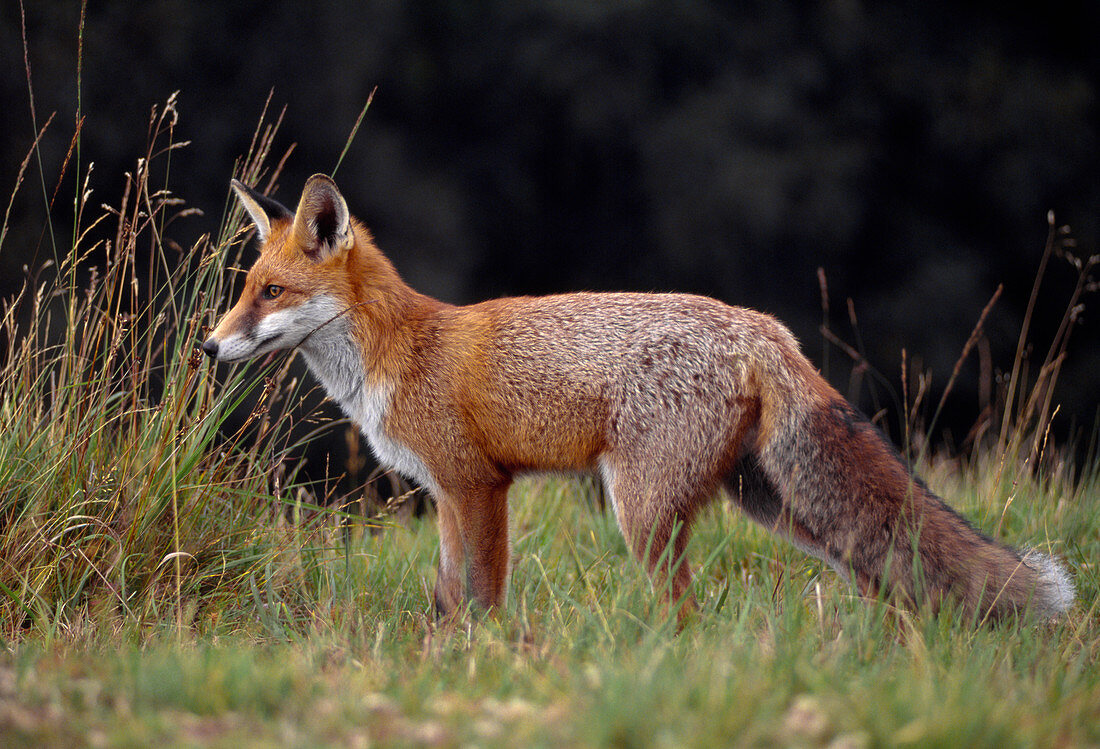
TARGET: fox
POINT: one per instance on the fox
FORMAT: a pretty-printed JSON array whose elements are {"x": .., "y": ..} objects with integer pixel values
[{"x": 669, "y": 398}]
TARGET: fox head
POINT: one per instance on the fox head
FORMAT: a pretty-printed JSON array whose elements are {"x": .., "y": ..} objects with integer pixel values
[{"x": 302, "y": 280}]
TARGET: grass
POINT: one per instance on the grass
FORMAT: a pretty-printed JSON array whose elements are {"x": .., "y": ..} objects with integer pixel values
[
  {"x": 780, "y": 652},
  {"x": 166, "y": 578}
]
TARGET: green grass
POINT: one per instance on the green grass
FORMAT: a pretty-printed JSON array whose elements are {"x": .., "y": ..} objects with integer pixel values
[
  {"x": 165, "y": 578},
  {"x": 780, "y": 652}
]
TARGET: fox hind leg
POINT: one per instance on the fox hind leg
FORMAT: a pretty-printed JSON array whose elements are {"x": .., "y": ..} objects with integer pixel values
[{"x": 655, "y": 527}]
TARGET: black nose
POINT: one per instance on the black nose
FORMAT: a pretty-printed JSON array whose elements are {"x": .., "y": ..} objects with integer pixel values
[{"x": 210, "y": 346}]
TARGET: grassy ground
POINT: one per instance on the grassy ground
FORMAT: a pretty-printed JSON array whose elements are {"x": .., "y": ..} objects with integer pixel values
[
  {"x": 781, "y": 651},
  {"x": 165, "y": 580}
]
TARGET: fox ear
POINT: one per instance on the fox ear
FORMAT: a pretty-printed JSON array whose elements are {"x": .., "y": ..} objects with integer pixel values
[
  {"x": 322, "y": 219},
  {"x": 262, "y": 209}
]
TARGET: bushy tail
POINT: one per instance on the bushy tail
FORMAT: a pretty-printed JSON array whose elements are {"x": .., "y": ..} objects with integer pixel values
[{"x": 828, "y": 480}]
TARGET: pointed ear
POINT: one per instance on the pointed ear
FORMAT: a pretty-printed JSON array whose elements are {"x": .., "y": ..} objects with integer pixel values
[
  {"x": 322, "y": 219},
  {"x": 263, "y": 210}
]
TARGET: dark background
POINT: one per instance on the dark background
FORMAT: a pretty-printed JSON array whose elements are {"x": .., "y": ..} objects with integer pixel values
[{"x": 912, "y": 150}]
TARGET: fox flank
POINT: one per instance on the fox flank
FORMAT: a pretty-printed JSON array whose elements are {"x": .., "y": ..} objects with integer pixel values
[{"x": 669, "y": 397}]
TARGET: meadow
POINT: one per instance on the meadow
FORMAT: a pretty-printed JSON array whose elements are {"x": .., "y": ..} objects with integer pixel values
[{"x": 167, "y": 577}]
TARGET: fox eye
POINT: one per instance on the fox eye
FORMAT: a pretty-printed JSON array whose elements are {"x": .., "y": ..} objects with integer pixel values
[{"x": 272, "y": 291}]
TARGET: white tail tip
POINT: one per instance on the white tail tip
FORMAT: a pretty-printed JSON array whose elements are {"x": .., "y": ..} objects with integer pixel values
[{"x": 1056, "y": 593}]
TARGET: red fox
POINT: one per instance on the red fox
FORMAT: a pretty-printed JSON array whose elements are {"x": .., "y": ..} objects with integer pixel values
[{"x": 669, "y": 397}]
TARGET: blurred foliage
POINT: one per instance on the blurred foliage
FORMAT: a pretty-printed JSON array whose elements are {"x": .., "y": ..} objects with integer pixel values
[{"x": 912, "y": 150}]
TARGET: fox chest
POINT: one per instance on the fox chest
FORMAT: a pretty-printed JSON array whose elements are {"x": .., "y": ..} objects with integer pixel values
[
  {"x": 369, "y": 412},
  {"x": 338, "y": 365}
]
